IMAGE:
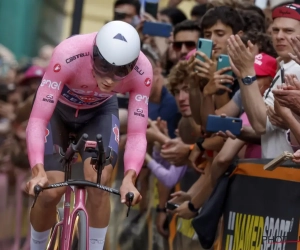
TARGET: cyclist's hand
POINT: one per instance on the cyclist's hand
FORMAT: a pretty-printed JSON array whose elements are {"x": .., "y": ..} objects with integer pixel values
[
  {"x": 39, "y": 177},
  {"x": 128, "y": 186}
]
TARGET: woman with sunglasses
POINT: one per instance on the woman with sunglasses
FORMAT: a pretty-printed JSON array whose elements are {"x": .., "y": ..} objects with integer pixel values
[{"x": 78, "y": 95}]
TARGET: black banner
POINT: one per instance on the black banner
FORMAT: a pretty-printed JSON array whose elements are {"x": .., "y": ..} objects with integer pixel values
[{"x": 262, "y": 213}]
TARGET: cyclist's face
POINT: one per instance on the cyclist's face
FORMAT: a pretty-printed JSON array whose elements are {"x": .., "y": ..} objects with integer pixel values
[{"x": 105, "y": 83}]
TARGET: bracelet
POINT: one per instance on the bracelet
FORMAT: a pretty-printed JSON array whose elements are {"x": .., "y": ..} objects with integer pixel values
[
  {"x": 161, "y": 210},
  {"x": 200, "y": 142}
]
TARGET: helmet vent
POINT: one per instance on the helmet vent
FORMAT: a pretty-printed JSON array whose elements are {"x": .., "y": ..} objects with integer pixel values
[{"x": 120, "y": 37}]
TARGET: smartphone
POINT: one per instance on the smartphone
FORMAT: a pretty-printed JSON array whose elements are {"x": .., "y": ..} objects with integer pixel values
[
  {"x": 157, "y": 29},
  {"x": 123, "y": 102},
  {"x": 217, "y": 123},
  {"x": 171, "y": 206},
  {"x": 151, "y": 7},
  {"x": 205, "y": 46},
  {"x": 223, "y": 62}
]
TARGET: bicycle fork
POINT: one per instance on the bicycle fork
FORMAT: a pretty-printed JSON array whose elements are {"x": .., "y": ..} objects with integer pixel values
[
  {"x": 69, "y": 219},
  {"x": 62, "y": 223}
]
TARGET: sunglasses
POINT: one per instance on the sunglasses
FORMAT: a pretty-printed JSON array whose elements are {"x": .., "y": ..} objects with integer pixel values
[{"x": 190, "y": 45}]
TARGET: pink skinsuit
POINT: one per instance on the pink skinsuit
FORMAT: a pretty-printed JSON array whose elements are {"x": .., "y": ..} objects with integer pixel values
[{"x": 69, "y": 80}]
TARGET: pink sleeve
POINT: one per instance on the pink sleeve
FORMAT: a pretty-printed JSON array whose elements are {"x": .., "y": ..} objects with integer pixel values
[
  {"x": 136, "y": 143},
  {"x": 49, "y": 89}
]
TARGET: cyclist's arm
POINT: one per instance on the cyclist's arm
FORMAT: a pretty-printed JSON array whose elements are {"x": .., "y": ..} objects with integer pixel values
[
  {"x": 44, "y": 104},
  {"x": 136, "y": 143}
]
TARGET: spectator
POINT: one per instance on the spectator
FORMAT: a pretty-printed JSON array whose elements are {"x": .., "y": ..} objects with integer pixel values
[
  {"x": 171, "y": 15},
  {"x": 262, "y": 41},
  {"x": 265, "y": 68},
  {"x": 44, "y": 57},
  {"x": 253, "y": 21},
  {"x": 31, "y": 80},
  {"x": 185, "y": 35},
  {"x": 273, "y": 131},
  {"x": 127, "y": 11},
  {"x": 217, "y": 24},
  {"x": 198, "y": 11}
]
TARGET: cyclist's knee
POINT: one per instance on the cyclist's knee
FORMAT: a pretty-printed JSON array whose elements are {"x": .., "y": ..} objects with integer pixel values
[
  {"x": 51, "y": 197},
  {"x": 94, "y": 193},
  {"x": 91, "y": 174},
  {"x": 105, "y": 176}
]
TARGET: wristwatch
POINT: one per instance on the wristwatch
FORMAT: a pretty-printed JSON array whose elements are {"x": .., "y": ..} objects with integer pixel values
[
  {"x": 161, "y": 210},
  {"x": 192, "y": 207},
  {"x": 248, "y": 80},
  {"x": 200, "y": 142}
]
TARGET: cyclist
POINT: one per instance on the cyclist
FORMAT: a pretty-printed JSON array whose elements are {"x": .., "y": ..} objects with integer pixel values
[{"x": 78, "y": 94}]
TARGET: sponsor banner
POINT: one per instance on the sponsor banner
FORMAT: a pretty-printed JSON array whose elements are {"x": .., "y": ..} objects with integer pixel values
[{"x": 262, "y": 208}]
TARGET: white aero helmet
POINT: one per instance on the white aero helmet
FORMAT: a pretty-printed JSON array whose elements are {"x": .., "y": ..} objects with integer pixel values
[{"x": 116, "y": 49}]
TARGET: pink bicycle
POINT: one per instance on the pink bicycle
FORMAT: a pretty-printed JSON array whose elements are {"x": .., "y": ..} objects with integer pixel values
[{"x": 67, "y": 220}]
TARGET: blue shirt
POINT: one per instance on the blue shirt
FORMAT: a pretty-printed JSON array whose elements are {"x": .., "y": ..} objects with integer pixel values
[{"x": 167, "y": 110}]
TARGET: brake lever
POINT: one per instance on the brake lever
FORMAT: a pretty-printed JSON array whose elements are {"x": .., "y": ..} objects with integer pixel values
[
  {"x": 37, "y": 189},
  {"x": 129, "y": 198}
]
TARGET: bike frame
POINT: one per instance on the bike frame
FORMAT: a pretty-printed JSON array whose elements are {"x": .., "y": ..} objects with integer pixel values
[{"x": 68, "y": 221}]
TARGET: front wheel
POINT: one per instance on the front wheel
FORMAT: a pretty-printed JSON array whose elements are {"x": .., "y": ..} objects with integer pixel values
[{"x": 79, "y": 239}]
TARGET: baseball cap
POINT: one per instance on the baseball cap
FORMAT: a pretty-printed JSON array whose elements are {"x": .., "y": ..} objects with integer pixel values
[
  {"x": 289, "y": 11},
  {"x": 265, "y": 65},
  {"x": 34, "y": 71}
]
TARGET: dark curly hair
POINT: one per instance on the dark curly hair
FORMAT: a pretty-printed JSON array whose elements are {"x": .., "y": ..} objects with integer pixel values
[
  {"x": 253, "y": 21},
  {"x": 263, "y": 41},
  {"x": 226, "y": 15}
]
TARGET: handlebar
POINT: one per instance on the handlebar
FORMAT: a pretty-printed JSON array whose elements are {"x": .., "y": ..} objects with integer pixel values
[
  {"x": 76, "y": 147},
  {"x": 81, "y": 183},
  {"x": 100, "y": 142}
]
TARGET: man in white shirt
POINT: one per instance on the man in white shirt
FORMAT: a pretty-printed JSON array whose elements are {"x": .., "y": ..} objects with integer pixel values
[{"x": 286, "y": 24}]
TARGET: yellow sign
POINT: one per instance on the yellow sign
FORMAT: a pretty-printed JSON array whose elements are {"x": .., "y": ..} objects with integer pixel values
[{"x": 253, "y": 232}]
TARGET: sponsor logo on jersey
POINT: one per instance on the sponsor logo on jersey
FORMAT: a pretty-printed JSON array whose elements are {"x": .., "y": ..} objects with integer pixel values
[
  {"x": 137, "y": 69},
  {"x": 120, "y": 37},
  {"x": 86, "y": 99},
  {"x": 57, "y": 67},
  {"x": 116, "y": 132},
  {"x": 73, "y": 58},
  {"x": 139, "y": 112},
  {"x": 47, "y": 132},
  {"x": 140, "y": 98},
  {"x": 83, "y": 97},
  {"x": 147, "y": 82},
  {"x": 48, "y": 98},
  {"x": 50, "y": 84}
]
